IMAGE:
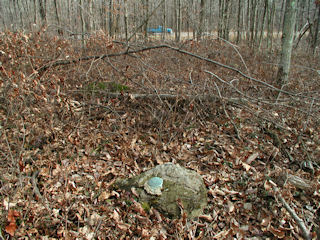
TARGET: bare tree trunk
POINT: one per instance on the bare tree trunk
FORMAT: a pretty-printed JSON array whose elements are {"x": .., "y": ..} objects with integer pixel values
[
  {"x": 220, "y": 23},
  {"x": 146, "y": 14},
  {"x": 83, "y": 24},
  {"x": 35, "y": 19},
  {"x": 117, "y": 21},
  {"x": 211, "y": 16},
  {"x": 111, "y": 30},
  {"x": 281, "y": 18},
  {"x": 287, "y": 42},
  {"x": 253, "y": 22},
  {"x": 179, "y": 21},
  {"x": 239, "y": 23},
  {"x": 17, "y": 13},
  {"x": 224, "y": 15},
  {"x": 90, "y": 21},
  {"x": 248, "y": 20},
  {"x": 227, "y": 19},
  {"x": 43, "y": 12},
  {"x": 271, "y": 26},
  {"x": 316, "y": 31},
  {"x": 201, "y": 19},
  {"x": 60, "y": 31},
  {"x": 266, "y": 7},
  {"x": 164, "y": 19},
  {"x": 2, "y": 16},
  {"x": 177, "y": 16},
  {"x": 125, "y": 16}
]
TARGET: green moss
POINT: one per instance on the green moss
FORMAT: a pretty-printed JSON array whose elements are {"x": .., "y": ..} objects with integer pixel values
[
  {"x": 145, "y": 206},
  {"x": 117, "y": 87}
]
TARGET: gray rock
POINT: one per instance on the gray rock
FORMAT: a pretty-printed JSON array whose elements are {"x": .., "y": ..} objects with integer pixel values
[{"x": 177, "y": 183}]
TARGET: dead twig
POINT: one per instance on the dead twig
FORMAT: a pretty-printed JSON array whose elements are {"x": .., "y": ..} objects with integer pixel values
[{"x": 226, "y": 113}]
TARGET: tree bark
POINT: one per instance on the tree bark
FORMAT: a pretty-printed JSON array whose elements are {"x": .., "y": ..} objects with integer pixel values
[
  {"x": 287, "y": 42},
  {"x": 43, "y": 12},
  {"x": 271, "y": 26},
  {"x": 83, "y": 24},
  {"x": 146, "y": 14},
  {"x": 201, "y": 20},
  {"x": 266, "y": 6},
  {"x": 60, "y": 32},
  {"x": 316, "y": 31},
  {"x": 177, "y": 17},
  {"x": 164, "y": 20},
  {"x": 239, "y": 24},
  {"x": 125, "y": 16},
  {"x": 111, "y": 31}
]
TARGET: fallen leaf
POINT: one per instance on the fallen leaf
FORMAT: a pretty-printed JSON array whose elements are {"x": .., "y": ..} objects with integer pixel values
[{"x": 12, "y": 227}]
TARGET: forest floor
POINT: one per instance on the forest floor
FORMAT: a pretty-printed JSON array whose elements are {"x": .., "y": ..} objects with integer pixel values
[{"x": 73, "y": 121}]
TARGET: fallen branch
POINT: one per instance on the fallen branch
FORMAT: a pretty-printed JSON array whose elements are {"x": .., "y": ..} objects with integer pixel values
[
  {"x": 301, "y": 183},
  {"x": 162, "y": 96},
  {"x": 128, "y": 52},
  {"x": 304, "y": 230}
]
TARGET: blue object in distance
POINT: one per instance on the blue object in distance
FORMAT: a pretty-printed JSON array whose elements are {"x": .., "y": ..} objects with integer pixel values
[{"x": 160, "y": 30}]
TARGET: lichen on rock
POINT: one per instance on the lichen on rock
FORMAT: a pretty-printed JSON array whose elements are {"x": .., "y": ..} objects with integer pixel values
[{"x": 178, "y": 184}]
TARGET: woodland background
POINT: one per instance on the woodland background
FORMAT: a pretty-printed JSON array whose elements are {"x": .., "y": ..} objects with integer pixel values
[{"x": 88, "y": 96}]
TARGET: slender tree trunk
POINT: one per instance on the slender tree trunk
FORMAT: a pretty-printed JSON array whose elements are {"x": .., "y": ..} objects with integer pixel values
[
  {"x": 239, "y": 23},
  {"x": 146, "y": 14},
  {"x": 35, "y": 19},
  {"x": 253, "y": 22},
  {"x": 17, "y": 14},
  {"x": 83, "y": 24},
  {"x": 125, "y": 16},
  {"x": 266, "y": 7},
  {"x": 2, "y": 17},
  {"x": 227, "y": 20},
  {"x": 316, "y": 32},
  {"x": 271, "y": 18},
  {"x": 281, "y": 18},
  {"x": 249, "y": 12},
  {"x": 135, "y": 19},
  {"x": 201, "y": 19},
  {"x": 111, "y": 30},
  {"x": 60, "y": 31},
  {"x": 211, "y": 17},
  {"x": 179, "y": 20},
  {"x": 224, "y": 15},
  {"x": 43, "y": 12},
  {"x": 117, "y": 21},
  {"x": 177, "y": 17},
  {"x": 90, "y": 20},
  {"x": 220, "y": 23},
  {"x": 164, "y": 19},
  {"x": 287, "y": 42}
]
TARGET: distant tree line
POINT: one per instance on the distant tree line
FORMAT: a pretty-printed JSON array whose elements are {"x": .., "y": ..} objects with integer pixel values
[{"x": 253, "y": 21}]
